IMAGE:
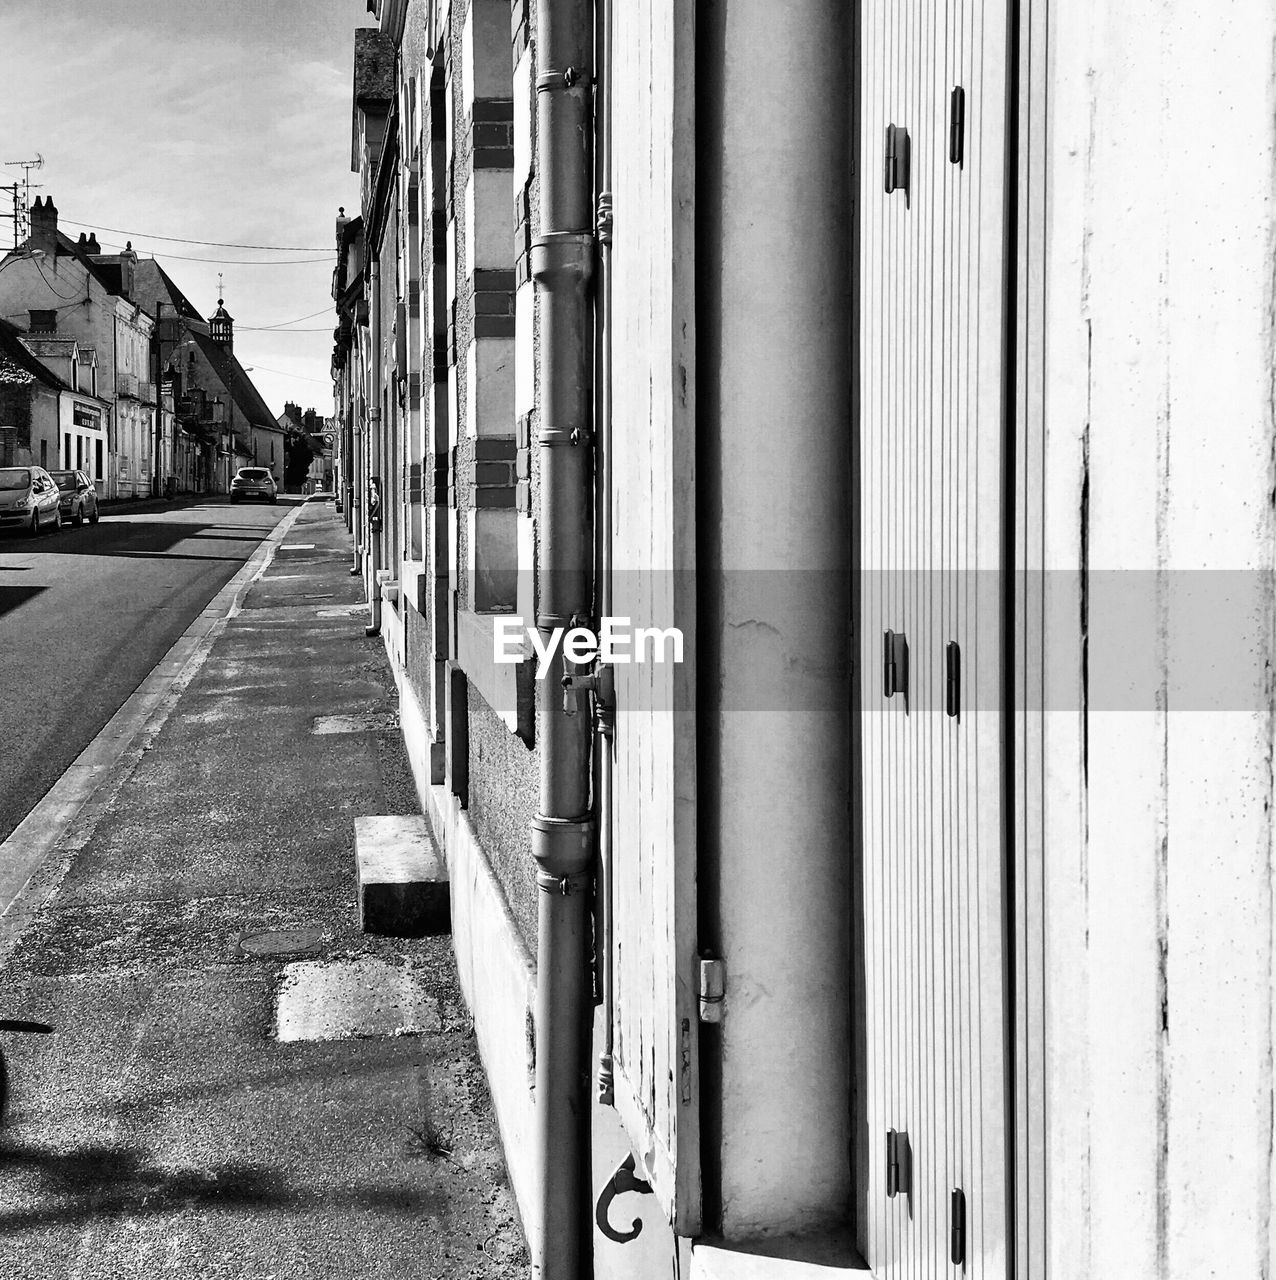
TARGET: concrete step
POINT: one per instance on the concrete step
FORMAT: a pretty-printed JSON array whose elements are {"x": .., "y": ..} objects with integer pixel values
[{"x": 403, "y": 885}]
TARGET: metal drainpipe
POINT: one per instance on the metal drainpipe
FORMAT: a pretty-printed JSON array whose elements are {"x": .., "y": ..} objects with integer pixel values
[
  {"x": 563, "y": 830},
  {"x": 374, "y": 448},
  {"x": 605, "y": 743}
]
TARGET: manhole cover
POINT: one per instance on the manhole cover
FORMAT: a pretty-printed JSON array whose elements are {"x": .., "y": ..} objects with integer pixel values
[{"x": 281, "y": 942}]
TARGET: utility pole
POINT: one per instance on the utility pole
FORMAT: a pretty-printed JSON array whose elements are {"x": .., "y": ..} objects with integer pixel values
[
  {"x": 12, "y": 189},
  {"x": 20, "y": 222}
]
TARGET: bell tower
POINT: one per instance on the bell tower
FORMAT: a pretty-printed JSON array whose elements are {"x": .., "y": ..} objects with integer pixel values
[{"x": 221, "y": 324}]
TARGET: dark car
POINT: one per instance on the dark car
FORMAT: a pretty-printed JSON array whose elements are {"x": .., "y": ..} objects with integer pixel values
[
  {"x": 253, "y": 482},
  {"x": 78, "y": 496}
]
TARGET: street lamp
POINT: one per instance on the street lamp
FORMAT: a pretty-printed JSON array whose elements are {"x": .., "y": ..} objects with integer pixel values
[{"x": 21, "y": 255}]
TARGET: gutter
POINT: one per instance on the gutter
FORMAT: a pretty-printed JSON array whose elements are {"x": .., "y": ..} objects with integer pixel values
[
  {"x": 563, "y": 830},
  {"x": 605, "y": 701},
  {"x": 373, "y": 533}
]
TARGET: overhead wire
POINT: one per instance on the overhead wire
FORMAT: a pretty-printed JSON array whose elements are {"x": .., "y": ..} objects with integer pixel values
[
  {"x": 66, "y": 297},
  {"x": 234, "y": 262},
  {"x": 323, "y": 382},
  {"x": 215, "y": 244}
]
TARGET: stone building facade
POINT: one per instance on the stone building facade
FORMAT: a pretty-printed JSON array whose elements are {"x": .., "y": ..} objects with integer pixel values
[{"x": 53, "y": 288}]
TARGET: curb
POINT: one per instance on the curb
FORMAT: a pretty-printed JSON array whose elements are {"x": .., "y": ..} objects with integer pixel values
[{"x": 42, "y": 834}]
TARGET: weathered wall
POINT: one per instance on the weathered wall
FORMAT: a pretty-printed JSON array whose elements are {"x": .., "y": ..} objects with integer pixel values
[{"x": 1158, "y": 483}]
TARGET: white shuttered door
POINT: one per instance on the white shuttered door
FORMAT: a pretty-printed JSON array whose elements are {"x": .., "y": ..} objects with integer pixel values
[{"x": 931, "y": 350}]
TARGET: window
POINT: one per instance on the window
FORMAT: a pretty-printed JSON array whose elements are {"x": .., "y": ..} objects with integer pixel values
[
  {"x": 43, "y": 321},
  {"x": 44, "y": 453},
  {"x": 97, "y": 460},
  {"x": 66, "y": 448}
]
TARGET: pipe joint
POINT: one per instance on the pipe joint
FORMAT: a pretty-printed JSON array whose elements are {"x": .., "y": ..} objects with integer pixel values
[
  {"x": 563, "y": 257},
  {"x": 564, "y": 852}
]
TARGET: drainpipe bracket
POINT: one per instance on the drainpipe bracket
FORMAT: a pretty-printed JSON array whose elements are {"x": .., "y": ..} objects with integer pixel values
[
  {"x": 563, "y": 256},
  {"x": 563, "y": 886},
  {"x": 557, "y": 81},
  {"x": 604, "y": 222},
  {"x": 557, "y": 438}
]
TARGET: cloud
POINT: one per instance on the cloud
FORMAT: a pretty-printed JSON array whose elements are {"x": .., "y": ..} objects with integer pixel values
[{"x": 220, "y": 119}]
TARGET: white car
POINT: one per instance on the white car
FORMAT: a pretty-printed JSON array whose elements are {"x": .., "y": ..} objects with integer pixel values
[
  {"x": 253, "y": 482},
  {"x": 29, "y": 499}
]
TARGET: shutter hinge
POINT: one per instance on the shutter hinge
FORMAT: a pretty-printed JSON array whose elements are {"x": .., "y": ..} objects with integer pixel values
[
  {"x": 957, "y": 126},
  {"x": 896, "y": 169},
  {"x": 898, "y": 1163},
  {"x": 957, "y": 1227},
  {"x": 895, "y": 664},
  {"x": 952, "y": 680},
  {"x": 710, "y": 987}
]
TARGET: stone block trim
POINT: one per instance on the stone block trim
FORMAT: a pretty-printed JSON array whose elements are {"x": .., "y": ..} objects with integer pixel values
[
  {"x": 489, "y": 133},
  {"x": 440, "y": 480},
  {"x": 520, "y": 26},
  {"x": 523, "y": 464},
  {"x": 492, "y": 472},
  {"x": 492, "y": 304},
  {"x": 522, "y": 236},
  {"x": 415, "y": 484}
]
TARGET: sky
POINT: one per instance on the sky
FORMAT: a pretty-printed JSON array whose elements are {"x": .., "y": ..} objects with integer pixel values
[{"x": 202, "y": 120}]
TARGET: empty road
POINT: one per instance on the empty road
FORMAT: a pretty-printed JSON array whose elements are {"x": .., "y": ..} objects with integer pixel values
[{"x": 85, "y": 614}]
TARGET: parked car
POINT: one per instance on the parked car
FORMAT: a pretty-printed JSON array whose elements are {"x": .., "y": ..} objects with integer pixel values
[
  {"x": 253, "y": 482},
  {"x": 29, "y": 499},
  {"x": 78, "y": 497}
]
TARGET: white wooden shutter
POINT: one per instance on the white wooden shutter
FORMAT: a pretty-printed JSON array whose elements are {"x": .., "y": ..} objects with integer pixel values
[
  {"x": 931, "y": 351},
  {"x": 652, "y": 481}
]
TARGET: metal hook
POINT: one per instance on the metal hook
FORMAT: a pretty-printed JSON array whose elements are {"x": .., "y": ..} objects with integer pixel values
[{"x": 623, "y": 1180}]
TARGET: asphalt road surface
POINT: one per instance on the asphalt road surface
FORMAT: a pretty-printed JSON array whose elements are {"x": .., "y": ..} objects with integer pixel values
[{"x": 85, "y": 614}]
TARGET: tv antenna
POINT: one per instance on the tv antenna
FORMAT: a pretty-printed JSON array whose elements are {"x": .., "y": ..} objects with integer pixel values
[{"x": 21, "y": 223}]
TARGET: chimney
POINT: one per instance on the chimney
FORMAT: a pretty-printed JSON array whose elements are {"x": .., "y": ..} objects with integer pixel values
[
  {"x": 44, "y": 226},
  {"x": 93, "y": 246},
  {"x": 342, "y": 223}
]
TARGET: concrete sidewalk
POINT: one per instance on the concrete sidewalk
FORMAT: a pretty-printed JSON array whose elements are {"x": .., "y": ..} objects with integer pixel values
[{"x": 167, "y": 1128}]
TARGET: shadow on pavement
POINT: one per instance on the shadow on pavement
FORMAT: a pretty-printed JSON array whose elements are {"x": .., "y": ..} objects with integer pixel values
[
  {"x": 102, "y": 1181},
  {"x": 138, "y": 538},
  {"x": 12, "y": 597}
]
